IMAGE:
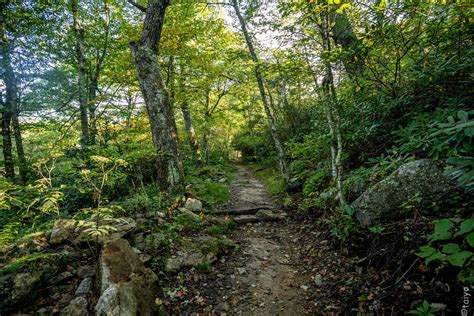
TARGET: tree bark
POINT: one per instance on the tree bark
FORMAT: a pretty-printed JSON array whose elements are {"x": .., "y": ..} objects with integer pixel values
[
  {"x": 10, "y": 110},
  {"x": 332, "y": 111},
  {"x": 276, "y": 140},
  {"x": 188, "y": 124},
  {"x": 81, "y": 76},
  {"x": 156, "y": 96},
  {"x": 205, "y": 132},
  {"x": 7, "y": 145},
  {"x": 94, "y": 79},
  {"x": 92, "y": 107}
]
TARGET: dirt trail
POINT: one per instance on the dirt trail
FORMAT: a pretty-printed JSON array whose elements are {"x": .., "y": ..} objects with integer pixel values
[{"x": 262, "y": 278}]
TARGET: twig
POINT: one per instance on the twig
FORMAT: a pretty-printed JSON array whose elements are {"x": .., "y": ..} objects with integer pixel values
[{"x": 136, "y": 5}]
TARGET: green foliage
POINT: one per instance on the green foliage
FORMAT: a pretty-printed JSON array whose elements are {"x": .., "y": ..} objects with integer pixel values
[
  {"x": 251, "y": 146},
  {"x": 205, "y": 183},
  {"x": 24, "y": 206},
  {"x": 204, "y": 267},
  {"x": 462, "y": 170},
  {"x": 343, "y": 224},
  {"x": 314, "y": 183},
  {"x": 159, "y": 242},
  {"x": 148, "y": 199},
  {"x": 183, "y": 223},
  {"x": 430, "y": 133},
  {"x": 18, "y": 263},
  {"x": 212, "y": 192},
  {"x": 222, "y": 229},
  {"x": 424, "y": 310},
  {"x": 451, "y": 242}
]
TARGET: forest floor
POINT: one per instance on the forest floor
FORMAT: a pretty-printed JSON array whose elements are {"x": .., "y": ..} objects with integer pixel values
[{"x": 266, "y": 276}]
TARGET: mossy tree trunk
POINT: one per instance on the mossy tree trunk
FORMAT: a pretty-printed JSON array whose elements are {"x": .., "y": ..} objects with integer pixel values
[{"x": 157, "y": 99}]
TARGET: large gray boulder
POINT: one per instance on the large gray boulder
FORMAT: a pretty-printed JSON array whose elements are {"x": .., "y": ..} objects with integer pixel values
[
  {"x": 385, "y": 199},
  {"x": 126, "y": 285}
]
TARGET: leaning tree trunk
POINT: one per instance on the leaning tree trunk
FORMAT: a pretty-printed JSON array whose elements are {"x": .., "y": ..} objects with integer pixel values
[
  {"x": 81, "y": 77},
  {"x": 156, "y": 96},
  {"x": 276, "y": 140}
]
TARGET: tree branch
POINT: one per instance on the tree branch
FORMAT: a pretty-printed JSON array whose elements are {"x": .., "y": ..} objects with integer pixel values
[
  {"x": 217, "y": 3},
  {"x": 136, "y": 5}
]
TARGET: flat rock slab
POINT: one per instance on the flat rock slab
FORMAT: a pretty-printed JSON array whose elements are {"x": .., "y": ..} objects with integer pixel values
[
  {"x": 245, "y": 219},
  {"x": 242, "y": 211}
]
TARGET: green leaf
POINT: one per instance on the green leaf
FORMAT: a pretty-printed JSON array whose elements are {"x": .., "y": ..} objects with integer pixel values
[
  {"x": 458, "y": 259},
  {"x": 463, "y": 116},
  {"x": 450, "y": 248},
  {"x": 426, "y": 251},
  {"x": 470, "y": 239},
  {"x": 441, "y": 231},
  {"x": 466, "y": 227},
  {"x": 436, "y": 256}
]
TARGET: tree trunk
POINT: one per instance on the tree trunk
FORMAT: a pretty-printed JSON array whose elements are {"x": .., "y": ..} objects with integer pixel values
[
  {"x": 81, "y": 77},
  {"x": 7, "y": 145},
  {"x": 23, "y": 168},
  {"x": 10, "y": 111},
  {"x": 94, "y": 79},
  {"x": 332, "y": 112},
  {"x": 205, "y": 132},
  {"x": 156, "y": 96},
  {"x": 188, "y": 124},
  {"x": 93, "y": 86},
  {"x": 276, "y": 140}
]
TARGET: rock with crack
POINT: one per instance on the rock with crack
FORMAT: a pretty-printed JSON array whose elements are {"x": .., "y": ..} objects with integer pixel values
[
  {"x": 385, "y": 200},
  {"x": 126, "y": 285},
  {"x": 193, "y": 204},
  {"x": 72, "y": 230}
]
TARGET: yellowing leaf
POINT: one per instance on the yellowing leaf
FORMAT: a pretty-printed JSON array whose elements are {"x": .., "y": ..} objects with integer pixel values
[{"x": 343, "y": 7}]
